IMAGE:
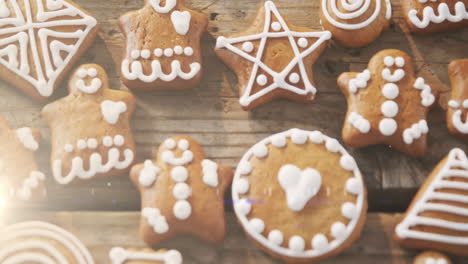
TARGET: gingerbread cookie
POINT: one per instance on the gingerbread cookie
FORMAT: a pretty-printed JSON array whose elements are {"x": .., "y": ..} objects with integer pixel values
[
  {"x": 273, "y": 58},
  {"x": 20, "y": 178},
  {"x": 430, "y": 16},
  {"x": 357, "y": 23},
  {"x": 438, "y": 217},
  {"x": 163, "y": 46},
  {"x": 39, "y": 242},
  {"x": 387, "y": 104},
  {"x": 181, "y": 193},
  {"x": 457, "y": 113},
  {"x": 40, "y": 40},
  {"x": 91, "y": 134},
  {"x": 119, "y": 255},
  {"x": 300, "y": 196},
  {"x": 431, "y": 257}
]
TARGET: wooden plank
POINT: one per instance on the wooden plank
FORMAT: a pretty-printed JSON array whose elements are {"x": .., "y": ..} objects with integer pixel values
[{"x": 101, "y": 231}]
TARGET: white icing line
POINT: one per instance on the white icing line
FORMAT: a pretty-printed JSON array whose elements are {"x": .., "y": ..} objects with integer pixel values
[
  {"x": 427, "y": 98},
  {"x": 111, "y": 110},
  {"x": 444, "y": 14},
  {"x": 155, "y": 219},
  {"x": 360, "y": 81},
  {"x": 26, "y": 137},
  {"x": 119, "y": 255},
  {"x": 415, "y": 132},
  {"x": 359, "y": 122},
  {"x": 134, "y": 71},
  {"x": 210, "y": 173},
  {"x": 30, "y": 183}
]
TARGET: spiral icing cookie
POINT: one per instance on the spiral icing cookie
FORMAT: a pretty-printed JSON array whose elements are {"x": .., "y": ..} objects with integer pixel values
[
  {"x": 355, "y": 24},
  {"x": 431, "y": 257},
  {"x": 39, "y": 242},
  {"x": 457, "y": 113},
  {"x": 119, "y": 255},
  {"x": 438, "y": 216},
  {"x": 91, "y": 134},
  {"x": 163, "y": 46},
  {"x": 387, "y": 104},
  {"x": 40, "y": 40},
  {"x": 273, "y": 58},
  {"x": 429, "y": 16},
  {"x": 300, "y": 196}
]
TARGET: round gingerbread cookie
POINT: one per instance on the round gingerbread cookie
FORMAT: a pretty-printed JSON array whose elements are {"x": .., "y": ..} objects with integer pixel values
[{"x": 300, "y": 196}]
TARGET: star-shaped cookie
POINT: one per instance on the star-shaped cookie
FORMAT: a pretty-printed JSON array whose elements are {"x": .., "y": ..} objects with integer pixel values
[
  {"x": 273, "y": 58},
  {"x": 457, "y": 113},
  {"x": 387, "y": 104},
  {"x": 20, "y": 178},
  {"x": 163, "y": 46},
  {"x": 181, "y": 193},
  {"x": 91, "y": 134}
]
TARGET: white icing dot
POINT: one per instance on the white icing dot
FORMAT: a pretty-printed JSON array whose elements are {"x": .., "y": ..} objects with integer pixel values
[
  {"x": 188, "y": 51},
  {"x": 294, "y": 78},
  {"x": 107, "y": 141},
  {"x": 170, "y": 143},
  {"x": 388, "y": 126},
  {"x": 299, "y": 136},
  {"x": 453, "y": 104},
  {"x": 183, "y": 144},
  {"x": 303, "y": 43},
  {"x": 279, "y": 141},
  {"x": 257, "y": 225},
  {"x": 353, "y": 186},
  {"x": 389, "y": 108},
  {"x": 68, "y": 148},
  {"x": 390, "y": 91},
  {"x": 400, "y": 62},
  {"x": 178, "y": 50},
  {"x": 243, "y": 206},
  {"x": 181, "y": 191},
  {"x": 92, "y": 72},
  {"x": 182, "y": 210},
  {"x": 262, "y": 80},
  {"x": 148, "y": 174},
  {"x": 92, "y": 143},
  {"x": 332, "y": 145},
  {"x": 173, "y": 257},
  {"x": 82, "y": 73},
  {"x": 348, "y": 210},
  {"x": 260, "y": 151},
  {"x": 145, "y": 54},
  {"x": 168, "y": 52},
  {"x": 135, "y": 54},
  {"x": 316, "y": 137},
  {"x": 389, "y": 61},
  {"x": 158, "y": 52},
  {"x": 276, "y": 26},
  {"x": 338, "y": 230},
  {"x": 297, "y": 244},
  {"x": 81, "y": 144},
  {"x": 179, "y": 174},
  {"x": 248, "y": 46},
  {"x": 319, "y": 242},
  {"x": 242, "y": 186},
  {"x": 347, "y": 162},
  {"x": 119, "y": 140},
  {"x": 245, "y": 168},
  {"x": 276, "y": 237}
]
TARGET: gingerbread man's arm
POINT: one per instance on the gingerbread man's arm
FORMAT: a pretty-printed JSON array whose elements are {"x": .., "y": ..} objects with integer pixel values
[
  {"x": 344, "y": 81},
  {"x": 126, "y": 22},
  {"x": 225, "y": 177}
]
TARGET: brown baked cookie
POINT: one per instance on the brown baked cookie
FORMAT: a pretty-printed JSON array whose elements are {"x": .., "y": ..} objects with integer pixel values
[
  {"x": 356, "y": 24},
  {"x": 91, "y": 134},
  {"x": 438, "y": 216},
  {"x": 163, "y": 46},
  {"x": 431, "y": 257},
  {"x": 40, "y": 40},
  {"x": 20, "y": 178},
  {"x": 40, "y": 242},
  {"x": 430, "y": 16},
  {"x": 273, "y": 58},
  {"x": 387, "y": 104},
  {"x": 300, "y": 196},
  {"x": 119, "y": 255},
  {"x": 457, "y": 113},
  {"x": 181, "y": 193}
]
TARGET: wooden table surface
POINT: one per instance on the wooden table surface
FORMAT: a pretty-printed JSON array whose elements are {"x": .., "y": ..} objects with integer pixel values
[{"x": 212, "y": 115}]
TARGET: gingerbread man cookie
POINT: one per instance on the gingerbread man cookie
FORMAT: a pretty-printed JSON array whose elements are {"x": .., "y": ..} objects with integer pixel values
[
  {"x": 91, "y": 134},
  {"x": 119, "y": 255},
  {"x": 40, "y": 242},
  {"x": 300, "y": 196},
  {"x": 163, "y": 46},
  {"x": 431, "y": 257},
  {"x": 457, "y": 113},
  {"x": 355, "y": 24},
  {"x": 20, "y": 178},
  {"x": 181, "y": 193},
  {"x": 273, "y": 58},
  {"x": 429, "y": 16},
  {"x": 438, "y": 217},
  {"x": 387, "y": 104},
  {"x": 40, "y": 40}
]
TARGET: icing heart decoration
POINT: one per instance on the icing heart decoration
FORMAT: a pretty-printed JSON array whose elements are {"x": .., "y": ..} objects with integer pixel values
[
  {"x": 181, "y": 21},
  {"x": 112, "y": 110},
  {"x": 300, "y": 186}
]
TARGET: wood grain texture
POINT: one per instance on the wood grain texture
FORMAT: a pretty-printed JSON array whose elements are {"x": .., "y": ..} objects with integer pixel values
[{"x": 212, "y": 115}]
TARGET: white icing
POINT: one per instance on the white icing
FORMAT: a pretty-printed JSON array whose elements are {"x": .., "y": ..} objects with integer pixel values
[
  {"x": 316, "y": 137},
  {"x": 400, "y": 62},
  {"x": 276, "y": 237},
  {"x": 181, "y": 191},
  {"x": 319, "y": 242},
  {"x": 179, "y": 174},
  {"x": 242, "y": 186},
  {"x": 457, "y": 118},
  {"x": 210, "y": 173},
  {"x": 181, "y": 21},
  {"x": 170, "y": 143},
  {"x": 333, "y": 145},
  {"x": 182, "y": 210},
  {"x": 299, "y": 136},
  {"x": 338, "y": 230},
  {"x": 278, "y": 79},
  {"x": 186, "y": 158},
  {"x": 183, "y": 144},
  {"x": 244, "y": 168},
  {"x": 111, "y": 111},
  {"x": 107, "y": 141},
  {"x": 40, "y": 242},
  {"x": 248, "y": 46},
  {"x": 427, "y": 98},
  {"x": 26, "y": 137},
  {"x": 155, "y": 219},
  {"x": 356, "y": 9},
  {"x": 119, "y": 255},
  {"x": 134, "y": 71},
  {"x": 389, "y": 108},
  {"x": 396, "y": 76},
  {"x": 92, "y": 143},
  {"x": 359, "y": 122},
  {"x": 348, "y": 163},
  {"x": 444, "y": 14},
  {"x": 156, "y": 4},
  {"x": 360, "y": 81},
  {"x": 68, "y": 148},
  {"x": 168, "y": 52},
  {"x": 279, "y": 141},
  {"x": 260, "y": 151},
  {"x": 389, "y": 61},
  {"x": 256, "y": 225},
  {"x": 415, "y": 132},
  {"x": 455, "y": 166},
  {"x": 300, "y": 186},
  {"x": 243, "y": 207},
  {"x": 390, "y": 91},
  {"x": 297, "y": 244},
  {"x": 262, "y": 80},
  {"x": 148, "y": 174},
  {"x": 435, "y": 261},
  {"x": 81, "y": 144},
  {"x": 95, "y": 83},
  {"x": 119, "y": 140},
  {"x": 354, "y": 186},
  {"x": 349, "y": 210},
  {"x": 388, "y": 126},
  {"x": 28, "y": 184}
]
